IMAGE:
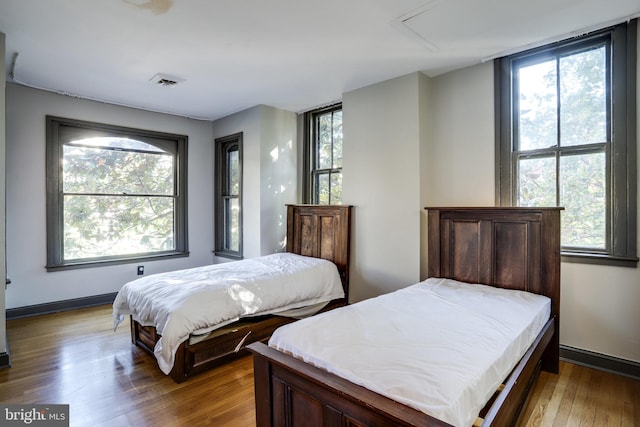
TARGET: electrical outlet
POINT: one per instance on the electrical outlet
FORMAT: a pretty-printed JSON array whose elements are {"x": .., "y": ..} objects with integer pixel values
[{"x": 140, "y": 270}]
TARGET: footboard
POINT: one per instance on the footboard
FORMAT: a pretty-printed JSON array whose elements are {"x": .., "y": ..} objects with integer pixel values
[{"x": 290, "y": 392}]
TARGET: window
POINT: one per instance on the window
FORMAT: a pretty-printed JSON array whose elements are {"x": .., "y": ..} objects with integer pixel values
[
  {"x": 324, "y": 156},
  {"x": 566, "y": 137},
  {"x": 114, "y": 194},
  {"x": 229, "y": 196}
]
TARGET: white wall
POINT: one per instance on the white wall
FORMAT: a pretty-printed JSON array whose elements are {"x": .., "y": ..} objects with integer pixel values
[
  {"x": 381, "y": 178},
  {"x": 425, "y": 116},
  {"x": 26, "y": 207},
  {"x": 3, "y": 323},
  {"x": 461, "y": 155},
  {"x": 269, "y": 174},
  {"x": 247, "y": 122},
  {"x": 278, "y": 183},
  {"x": 599, "y": 309},
  {"x": 599, "y": 304}
]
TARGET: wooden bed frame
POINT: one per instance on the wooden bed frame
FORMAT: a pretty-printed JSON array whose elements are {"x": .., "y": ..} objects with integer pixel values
[
  {"x": 516, "y": 248},
  {"x": 312, "y": 230}
]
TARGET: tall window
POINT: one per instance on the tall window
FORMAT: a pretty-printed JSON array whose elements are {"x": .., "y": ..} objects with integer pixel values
[
  {"x": 229, "y": 196},
  {"x": 567, "y": 138},
  {"x": 114, "y": 194},
  {"x": 324, "y": 159}
]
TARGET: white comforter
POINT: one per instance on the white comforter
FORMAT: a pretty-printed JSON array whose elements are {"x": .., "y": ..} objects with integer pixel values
[
  {"x": 440, "y": 346},
  {"x": 199, "y": 300}
]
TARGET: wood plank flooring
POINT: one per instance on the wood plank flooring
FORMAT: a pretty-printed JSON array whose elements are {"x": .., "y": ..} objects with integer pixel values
[
  {"x": 76, "y": 358},
  {"x": 581, "y": 396}
]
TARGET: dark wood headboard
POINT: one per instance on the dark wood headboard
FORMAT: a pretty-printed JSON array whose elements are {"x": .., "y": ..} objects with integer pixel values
[
  {"x": 507, "y": 247},
  {"x": 321, "y": 231}
]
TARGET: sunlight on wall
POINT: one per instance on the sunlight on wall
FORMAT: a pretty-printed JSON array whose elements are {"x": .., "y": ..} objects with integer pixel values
[{"x": 282, "y": 244}]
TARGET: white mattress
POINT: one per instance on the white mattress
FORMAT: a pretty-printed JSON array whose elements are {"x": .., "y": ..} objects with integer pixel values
[
  {"x": 199, "y": 300},
  {"x": 440, "y": 346}
]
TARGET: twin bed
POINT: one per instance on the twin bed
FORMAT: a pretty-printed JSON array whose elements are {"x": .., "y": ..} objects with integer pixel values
[
  {"x": 192, "y": 320},
  {"x": 442, "y": 352},
  {"x": 463, "y": 347}
]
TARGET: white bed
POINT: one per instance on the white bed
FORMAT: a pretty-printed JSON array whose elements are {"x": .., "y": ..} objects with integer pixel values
[
  {"x": 463, "y": 339},
  {"x": 199, "y": 300}
]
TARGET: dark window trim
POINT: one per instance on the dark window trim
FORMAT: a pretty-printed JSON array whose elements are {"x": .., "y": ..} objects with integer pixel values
[
  {"x": 623, "y": 214},
  {"x": 309, "y": 151},
  {"x": 55, "y": 206},
  {"x": 221, "y": 147}
]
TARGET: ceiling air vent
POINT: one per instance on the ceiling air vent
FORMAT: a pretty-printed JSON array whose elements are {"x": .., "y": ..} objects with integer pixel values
[{"x": 165, "y": 80}]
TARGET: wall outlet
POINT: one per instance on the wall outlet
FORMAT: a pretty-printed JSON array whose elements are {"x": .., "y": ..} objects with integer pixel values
[{"x": 140, "y": 270}]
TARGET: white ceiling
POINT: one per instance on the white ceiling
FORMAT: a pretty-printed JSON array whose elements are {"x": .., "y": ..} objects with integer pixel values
[{"x": 290, "y": 54}]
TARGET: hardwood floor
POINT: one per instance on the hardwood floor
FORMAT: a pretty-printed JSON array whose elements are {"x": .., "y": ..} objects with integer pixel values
[
  {"x": 75, "y": 358},
  {"x": 581, "y": 396}
]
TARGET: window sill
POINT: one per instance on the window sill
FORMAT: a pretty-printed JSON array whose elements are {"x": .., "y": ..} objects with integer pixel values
[
  {"x": 230, "y": 255},
  {"x": 115, "y": 261},
  {"x": 599, "y": 259}
]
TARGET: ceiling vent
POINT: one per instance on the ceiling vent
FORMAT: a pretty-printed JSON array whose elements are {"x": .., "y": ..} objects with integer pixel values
[{"x": 165, "y": 80}]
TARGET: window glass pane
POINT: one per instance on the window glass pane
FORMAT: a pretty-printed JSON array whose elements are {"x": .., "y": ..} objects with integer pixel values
[
  {"x": 336, "y": 188},
  {"x": 96, "y": 170},
  {"x": 325, "y": 173},
  {"x": 583, "y": 194},
  {"x": 97, "y": 226},
  {"x": 583, "y": 109},
  {"x": 322, "y": 188},
  {"x": 537, "y": 101},
  {"x": 111, "y": 196},
  {"x": 325, "y": 146},
  {"x": 114, "y": 142},
  {"x": 337, "y": 139},
  {"x": 233, "y": 171},
  {"x": 570, "y": 102},
  {"x": 232, "y": 216},
  {"x": 537, "y": 182},
  {"x": 228, "y": 196}
]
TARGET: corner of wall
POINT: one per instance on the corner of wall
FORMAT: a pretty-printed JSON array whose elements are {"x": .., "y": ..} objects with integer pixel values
[
  {"x": 425, "y": 137},
  {"x": 3, "y": 266},
  {"x": 270, "y": 171},
  {"x": 382, "y": 146},
  {"x": 278, "y": 175}
]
